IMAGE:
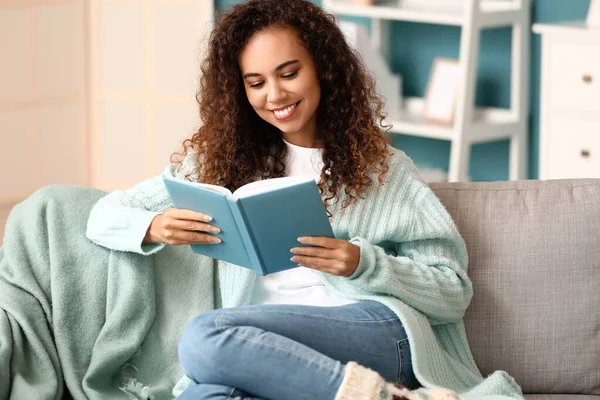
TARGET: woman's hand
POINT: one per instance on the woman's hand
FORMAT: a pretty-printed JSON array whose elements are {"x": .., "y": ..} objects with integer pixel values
[
  {"x": 179, "y": 227},
  {"x": 334, "y": 256}
]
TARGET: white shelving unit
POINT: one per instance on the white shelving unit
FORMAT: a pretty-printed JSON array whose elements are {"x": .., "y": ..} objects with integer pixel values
[{"x": 471, "y": 124}]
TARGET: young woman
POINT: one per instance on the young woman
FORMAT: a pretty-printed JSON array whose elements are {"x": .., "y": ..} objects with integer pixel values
[{"x": 282, "y": 94}]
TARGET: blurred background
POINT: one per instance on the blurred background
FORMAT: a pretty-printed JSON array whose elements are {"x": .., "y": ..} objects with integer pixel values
[
  {"x": 101, "y": 92},
  {"x": 95, "y": 93}
]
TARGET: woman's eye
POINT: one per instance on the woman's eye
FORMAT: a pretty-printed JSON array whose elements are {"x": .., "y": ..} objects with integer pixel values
[
  {"x": 290, "y": 75},
  {"x": 256, "y": 85}
]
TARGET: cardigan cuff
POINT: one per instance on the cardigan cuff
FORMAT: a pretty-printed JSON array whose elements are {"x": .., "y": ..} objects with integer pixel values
[
  {"x": 141, "y": 224},
  {"x": 367, "y": 260}
]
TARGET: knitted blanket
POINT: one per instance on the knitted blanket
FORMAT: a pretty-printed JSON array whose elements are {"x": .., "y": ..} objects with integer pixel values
[{"x": 75, "y": 312}]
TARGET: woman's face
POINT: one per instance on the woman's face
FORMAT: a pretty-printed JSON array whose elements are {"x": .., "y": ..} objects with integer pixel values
[{"x": 281, "y": 84}]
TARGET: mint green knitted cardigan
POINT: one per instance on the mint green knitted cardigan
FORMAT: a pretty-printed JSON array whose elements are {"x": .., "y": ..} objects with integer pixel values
[{"x": 413, "y": 260}]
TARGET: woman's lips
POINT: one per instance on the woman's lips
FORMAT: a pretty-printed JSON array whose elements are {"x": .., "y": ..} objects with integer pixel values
[{"x": 286, "y": 113}]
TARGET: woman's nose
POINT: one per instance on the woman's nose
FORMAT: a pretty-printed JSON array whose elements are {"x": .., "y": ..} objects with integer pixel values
[{"x": 276, "y": 94}]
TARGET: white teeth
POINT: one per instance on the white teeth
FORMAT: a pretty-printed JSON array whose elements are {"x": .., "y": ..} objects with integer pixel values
[{"x": 285, "y": 111}]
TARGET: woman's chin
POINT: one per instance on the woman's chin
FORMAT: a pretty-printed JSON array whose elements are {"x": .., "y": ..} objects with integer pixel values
[{"x": 288, "y": 129}]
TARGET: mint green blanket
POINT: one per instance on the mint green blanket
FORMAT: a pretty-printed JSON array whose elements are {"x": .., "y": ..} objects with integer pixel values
[{"x": 104, "y": 322}]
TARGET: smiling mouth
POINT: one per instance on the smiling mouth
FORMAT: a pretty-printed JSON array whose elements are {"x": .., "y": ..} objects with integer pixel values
[{"x": 286, "y": 112}]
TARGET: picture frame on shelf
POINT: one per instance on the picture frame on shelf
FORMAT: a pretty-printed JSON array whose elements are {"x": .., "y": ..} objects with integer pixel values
[
  {"x": 442, "y": 91},
  {"x": 593, "y": 15}
]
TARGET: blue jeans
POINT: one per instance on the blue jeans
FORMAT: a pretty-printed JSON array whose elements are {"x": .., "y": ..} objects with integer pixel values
[{"x": 282, "y": 352}]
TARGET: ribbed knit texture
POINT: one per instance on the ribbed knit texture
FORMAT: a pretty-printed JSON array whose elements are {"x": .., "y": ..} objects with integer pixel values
[{"x": 413, "y": 259}]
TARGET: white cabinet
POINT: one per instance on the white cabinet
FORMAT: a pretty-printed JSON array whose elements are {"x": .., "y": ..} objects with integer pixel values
[
  {"x": 574, "y": 146},
  {"x": 570, "y": 101}
]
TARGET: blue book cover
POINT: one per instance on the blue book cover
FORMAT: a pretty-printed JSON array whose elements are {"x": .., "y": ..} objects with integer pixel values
[{"x": 260, "y": 222}]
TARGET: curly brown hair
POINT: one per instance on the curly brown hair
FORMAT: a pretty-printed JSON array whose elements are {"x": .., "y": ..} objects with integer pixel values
[{"x": 235, "y": 146}]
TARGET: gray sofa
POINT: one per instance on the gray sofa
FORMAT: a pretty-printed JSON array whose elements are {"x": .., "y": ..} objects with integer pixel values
[{"x": 534, "y": 249}]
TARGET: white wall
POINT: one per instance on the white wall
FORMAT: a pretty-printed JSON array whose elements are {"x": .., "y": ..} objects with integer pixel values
[{"x": 95, "y": 92}]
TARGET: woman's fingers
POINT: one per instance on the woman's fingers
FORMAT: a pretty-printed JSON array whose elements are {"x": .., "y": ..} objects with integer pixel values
[
  {"x": 179, "y": 237},
  {"x": 181, "y": 227},
  {"x": 319, "y": 264},
  {"x": 334, "y": 256},
  {"x": 313, "y": 262},
  {"x": 191, "y": 225},
  {"x": 314, "y": 252},
  {"x": 178, "y": 213}
]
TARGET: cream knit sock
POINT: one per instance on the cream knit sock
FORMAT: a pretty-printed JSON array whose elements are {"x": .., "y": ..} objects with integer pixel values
[{"x": 362, "y": 383}]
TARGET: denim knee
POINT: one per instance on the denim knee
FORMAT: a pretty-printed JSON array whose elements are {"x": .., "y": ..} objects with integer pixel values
[{"x": 198, "y": 347}]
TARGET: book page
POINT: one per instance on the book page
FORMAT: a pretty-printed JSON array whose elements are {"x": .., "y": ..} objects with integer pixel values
[
  {"x": 267, "y": 185},
  {"x": 215, "y": 188}
]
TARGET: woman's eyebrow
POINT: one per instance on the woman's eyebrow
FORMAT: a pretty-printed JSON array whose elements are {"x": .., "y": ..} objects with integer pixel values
[{"x": 278, "y": 68}]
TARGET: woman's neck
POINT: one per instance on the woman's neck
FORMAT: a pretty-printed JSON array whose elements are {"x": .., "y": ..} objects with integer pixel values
[{"x": 303, "y": 141}]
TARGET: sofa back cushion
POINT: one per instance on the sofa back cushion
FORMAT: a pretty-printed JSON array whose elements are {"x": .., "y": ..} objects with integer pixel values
[{"x": 534, "y": 259}]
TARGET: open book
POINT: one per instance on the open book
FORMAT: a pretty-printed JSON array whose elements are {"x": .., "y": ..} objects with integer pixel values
[{"x": 260, "y": 222}]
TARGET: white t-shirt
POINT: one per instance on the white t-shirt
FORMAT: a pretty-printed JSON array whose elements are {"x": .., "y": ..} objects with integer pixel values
[{"x": 297, "y": 285}]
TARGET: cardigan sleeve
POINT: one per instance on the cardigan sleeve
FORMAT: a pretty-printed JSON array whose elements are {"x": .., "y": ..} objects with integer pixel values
[
  {"x": 427, "y": 272},
  {"x": 120, "y": 220}
]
